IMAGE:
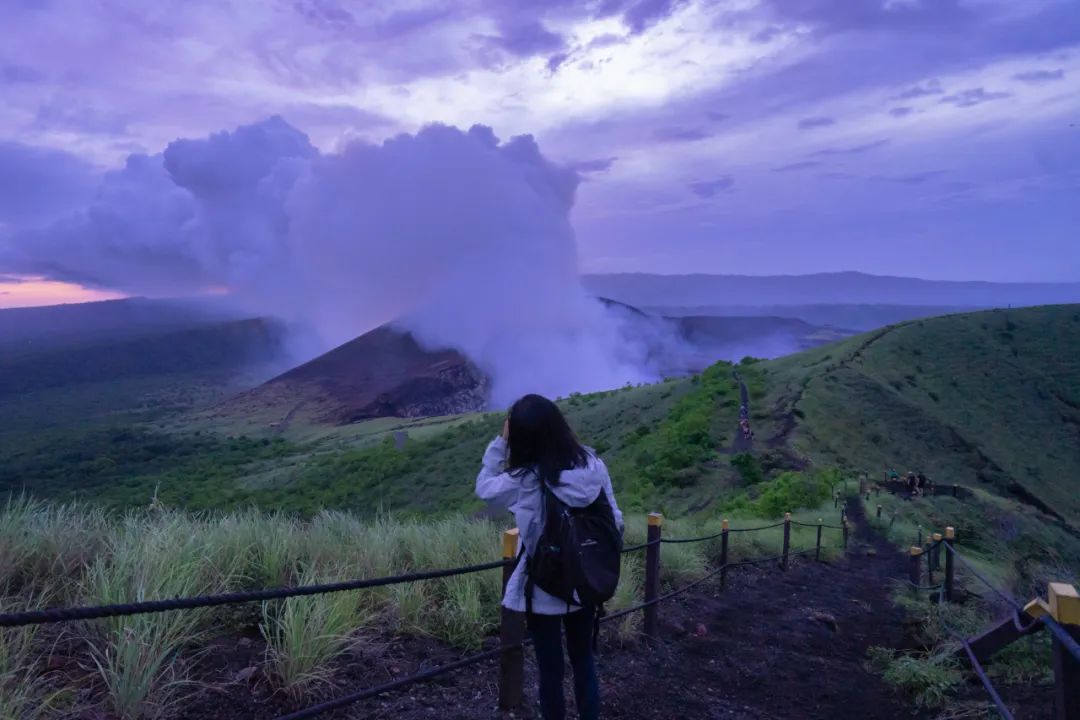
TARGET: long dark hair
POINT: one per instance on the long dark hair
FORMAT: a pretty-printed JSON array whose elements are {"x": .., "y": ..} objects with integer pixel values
[{"x": 542, "y": 441}]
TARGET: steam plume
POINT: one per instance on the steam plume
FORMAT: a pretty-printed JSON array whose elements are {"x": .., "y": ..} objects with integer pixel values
[{"x": 460, "y": 238}]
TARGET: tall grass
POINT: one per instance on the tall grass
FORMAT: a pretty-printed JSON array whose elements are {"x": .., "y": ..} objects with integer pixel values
[
  {"x": 24, "y": 692},
  {"x": 142, "y": 663},
  {"x": 305, "y": 634},
  {"x": 137, "y": 656}
]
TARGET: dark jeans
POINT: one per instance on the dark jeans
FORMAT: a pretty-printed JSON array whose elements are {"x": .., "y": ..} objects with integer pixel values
[{"x": 547, "y": 639}]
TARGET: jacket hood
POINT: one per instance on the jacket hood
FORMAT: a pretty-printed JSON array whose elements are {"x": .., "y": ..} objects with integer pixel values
[{"x": 580, "y": 486}]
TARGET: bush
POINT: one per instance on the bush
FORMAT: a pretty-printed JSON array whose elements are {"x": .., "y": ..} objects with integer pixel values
[
  {"x": 748, "y": 468},
  {"x": 792, "y": 491}
]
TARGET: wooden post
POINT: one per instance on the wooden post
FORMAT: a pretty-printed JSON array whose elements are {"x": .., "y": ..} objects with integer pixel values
[
  {"x": 862, "y": 486},
  {"x": 954, "y": 489},
  {"x": 511, "y": 631},
  {"x": 920, "y": 535},
  {"x": 817, "y": 550},
  {"x": 845, "y": 531},
  {"x": 652, "y": 574},
  {"x": 937, "y": 551},
  {"x": 915, "y": 567},
  {"x": 1065, "y": 608},
  {"x": 950, "y": 565},
  {"x": 724, "y": 532},
  {"x": 879, "y": 512},
  {"x": 929, "y": 553},
  {"x": 787, "y": 540}
]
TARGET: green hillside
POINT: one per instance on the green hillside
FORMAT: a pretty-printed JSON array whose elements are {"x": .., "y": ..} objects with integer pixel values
[{"x": 988, "y": 399}]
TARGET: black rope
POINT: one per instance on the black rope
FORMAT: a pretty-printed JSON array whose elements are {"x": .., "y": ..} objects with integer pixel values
[
  {"x": 716, "y": 535},
  {"x": 313, "y": 710},
  {"x": 814, "y": 525},
  {"x": 711, "y": 574},
  {"x": 1002, "y": 709},
  {"x": 642, "y": 546},
  {"x": 925, "y": 587},
  {"x": 1062, "y": 635},
  {"x": 755, "y": 529},
  {"x": 53, "y": 615}
]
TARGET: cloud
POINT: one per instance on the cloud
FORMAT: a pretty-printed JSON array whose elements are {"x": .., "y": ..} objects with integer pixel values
[
  {"x": 528, "y": 38},
  {"x": 20, "y": 74},
  {"x": 325, "y": 14},
  {"x": 851, "y": 150},
  {"x": 596, "y": 165},
  {"x": 844, "y": 15},
  {"x": 810, "y": 123},
  {"x": 711, "y": 188},
  {"x": 555, "y": 61},
  {"x": 681, "y": 134},
  {"x": 40, "y": 183},
  {"x": 1037, "y": 77},
  {"x": 972, "y": 97},
  {"x": 767, "y": 34},
  {"x": 931, "y": 87},
  {"x": 642, "y": 14},
  {"x": 716, "y": 116},
  {"x": 802, "y": 165},
  {"x": 64, "y": 115},
  {"x": 458, "y": 237},
  {"x": 901, "y": 111},
  {"x": 913, "y": 179}
]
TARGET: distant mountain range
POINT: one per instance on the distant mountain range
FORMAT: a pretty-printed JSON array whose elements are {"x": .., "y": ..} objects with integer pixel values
[{"x": 845, "y": 288}]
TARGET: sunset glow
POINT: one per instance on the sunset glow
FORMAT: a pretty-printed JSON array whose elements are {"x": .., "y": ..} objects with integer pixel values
[{"x": 26, "y": 291}]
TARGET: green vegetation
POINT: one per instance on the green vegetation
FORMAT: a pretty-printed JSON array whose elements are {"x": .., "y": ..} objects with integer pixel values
[
  {"x": 989, "y": 399},
  {"x": 142, "y": 664}
]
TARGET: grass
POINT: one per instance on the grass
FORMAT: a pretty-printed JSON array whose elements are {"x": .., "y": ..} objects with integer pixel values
[
  {"x": 305, "y": 634},
  {"x": 142, "y": 664},
  {"x": 989, "y": 399}
]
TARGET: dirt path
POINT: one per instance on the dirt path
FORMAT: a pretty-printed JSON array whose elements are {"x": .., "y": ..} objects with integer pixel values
[
  {"x": 742, "y": 442},
  {"x": 772, "y": 645}
]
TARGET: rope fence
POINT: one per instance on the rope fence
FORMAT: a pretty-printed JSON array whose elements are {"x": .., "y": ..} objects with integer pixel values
[
  {"x": 55, "y": 615},
  {"x": 1063, "y": 609},
  {"x": 512, "y": 636}
]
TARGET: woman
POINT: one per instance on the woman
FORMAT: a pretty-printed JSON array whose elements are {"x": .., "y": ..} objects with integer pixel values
[{"x": 537, "y": 446}]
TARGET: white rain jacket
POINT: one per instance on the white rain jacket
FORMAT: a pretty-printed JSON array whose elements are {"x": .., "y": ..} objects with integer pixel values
[{"x": 522, "y": 496}]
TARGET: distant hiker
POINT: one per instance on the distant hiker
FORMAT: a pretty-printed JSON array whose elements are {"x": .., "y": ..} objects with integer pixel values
[
  {"x": 560, "y": 491},
  {"x": 913, "y": 484},
  {"x": 921, "y": 482}
]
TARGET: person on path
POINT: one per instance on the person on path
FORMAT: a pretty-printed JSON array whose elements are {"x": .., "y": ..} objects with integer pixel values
[{"x": 538, "y": 447}]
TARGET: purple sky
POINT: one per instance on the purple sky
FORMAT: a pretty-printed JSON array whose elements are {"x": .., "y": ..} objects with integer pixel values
[{"x": 934, "y": 138}]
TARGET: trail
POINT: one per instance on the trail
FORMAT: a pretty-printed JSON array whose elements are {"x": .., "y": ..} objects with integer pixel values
[
  {"x": 744, "y": 438},
  {"x": 769, "y": 648},
  {"x": 773, "y": 645}
]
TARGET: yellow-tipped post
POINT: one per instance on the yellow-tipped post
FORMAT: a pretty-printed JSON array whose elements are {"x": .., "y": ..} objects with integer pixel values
[
  {"x": 1064, "y": 605},
  {"x": 950, "y": 565},
  {"x": 915, "y": 566},
  {"x": 511, "y": 633},
  {"x": 817, "y": 548},
  {"x": 652, "y": 574}
]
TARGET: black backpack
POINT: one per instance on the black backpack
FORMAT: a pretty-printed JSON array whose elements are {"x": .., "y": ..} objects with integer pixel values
[{"x": 579, "y": 551}]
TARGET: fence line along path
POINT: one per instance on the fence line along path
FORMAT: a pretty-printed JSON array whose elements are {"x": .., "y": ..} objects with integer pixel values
[{"x": 512, "y": 642}]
